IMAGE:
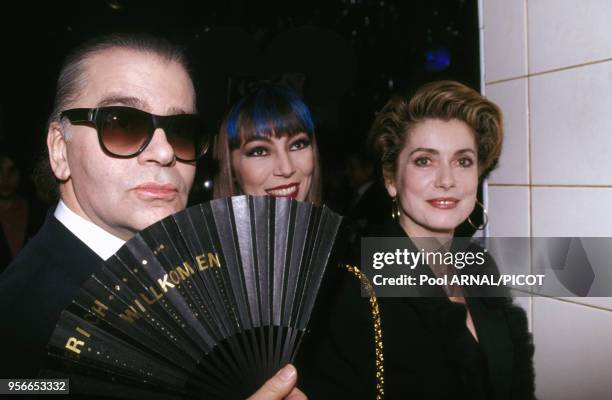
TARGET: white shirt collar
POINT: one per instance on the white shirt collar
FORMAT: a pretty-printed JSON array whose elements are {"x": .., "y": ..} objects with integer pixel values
[{"x": 100, "y": 241}]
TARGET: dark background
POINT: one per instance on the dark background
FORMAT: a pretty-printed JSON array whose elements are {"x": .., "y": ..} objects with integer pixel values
[{"x": 349, "y": 54}]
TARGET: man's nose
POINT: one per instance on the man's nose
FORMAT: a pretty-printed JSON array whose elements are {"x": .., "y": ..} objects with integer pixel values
[
  {"x": 284, "y": 164},
  {"x": 158, "y": 150}
]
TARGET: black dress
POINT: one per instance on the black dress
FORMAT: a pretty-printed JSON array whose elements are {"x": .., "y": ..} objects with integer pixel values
[{"x": 428, "y": 351}]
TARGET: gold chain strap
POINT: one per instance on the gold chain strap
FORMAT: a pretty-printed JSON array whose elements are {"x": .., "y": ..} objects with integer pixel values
[{"x": 378, "y": 341}]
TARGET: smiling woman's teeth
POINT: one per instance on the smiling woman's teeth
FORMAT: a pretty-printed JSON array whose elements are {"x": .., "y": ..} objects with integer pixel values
[{"x": 282, "y": 192}]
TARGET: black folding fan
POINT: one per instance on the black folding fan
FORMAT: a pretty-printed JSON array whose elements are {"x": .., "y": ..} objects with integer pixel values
[{"x": 207, "y": 303}]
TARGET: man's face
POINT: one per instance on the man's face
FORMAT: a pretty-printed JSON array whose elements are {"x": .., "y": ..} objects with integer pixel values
[{"x": 124, "y": 196}]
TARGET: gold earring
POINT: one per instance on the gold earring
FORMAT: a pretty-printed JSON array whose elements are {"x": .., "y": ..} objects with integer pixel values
[
  {"x": 395, "y": 212},
  {"x": 485, "y": 216}
]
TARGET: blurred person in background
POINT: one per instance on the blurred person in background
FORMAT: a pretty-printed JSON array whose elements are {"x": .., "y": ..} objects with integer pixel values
[{"x": 20, "y": 217}]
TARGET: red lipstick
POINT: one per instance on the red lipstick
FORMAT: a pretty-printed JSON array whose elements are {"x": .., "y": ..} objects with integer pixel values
[
  {"x": 291, "y": 190},
  {"x": 444, "y": 203}
]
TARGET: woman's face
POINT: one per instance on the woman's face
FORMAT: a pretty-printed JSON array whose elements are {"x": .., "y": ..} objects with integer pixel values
[
  {"x": 280, "y": 167},
  {"x": 436, "y": 178}
]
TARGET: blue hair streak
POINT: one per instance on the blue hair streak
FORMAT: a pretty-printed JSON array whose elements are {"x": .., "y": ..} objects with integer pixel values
[{"x": 270, "y": 110}]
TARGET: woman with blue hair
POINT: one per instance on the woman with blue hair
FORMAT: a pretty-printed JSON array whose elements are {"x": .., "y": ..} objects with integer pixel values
[{"x": 267, "y": 146}]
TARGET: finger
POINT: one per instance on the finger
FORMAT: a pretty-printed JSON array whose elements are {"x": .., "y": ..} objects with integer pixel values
[
  {"x": 296, "y": 394},
  {"x": 279, "y": 386}
]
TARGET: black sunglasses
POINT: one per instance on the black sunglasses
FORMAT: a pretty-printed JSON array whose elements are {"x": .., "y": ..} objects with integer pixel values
[{"x": 125, "y": 132}]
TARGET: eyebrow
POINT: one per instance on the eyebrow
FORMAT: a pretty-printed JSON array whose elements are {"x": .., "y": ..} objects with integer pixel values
[
  {"x": 434, "y": 151},
  {"x": 177, "y": 110},
  {"x": 465, "y": 151},
  {"x": 123, "y": 100},
  {"x": 136, "y": 102},
  {"x": 255, "y": 139},
  {"x": 267, "y": 138}
]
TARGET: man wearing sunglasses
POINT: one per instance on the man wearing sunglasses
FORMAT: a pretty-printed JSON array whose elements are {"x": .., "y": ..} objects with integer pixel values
[{"x": 122, "y": 140}]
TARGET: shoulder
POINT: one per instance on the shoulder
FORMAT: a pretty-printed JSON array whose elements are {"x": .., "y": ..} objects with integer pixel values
[
  {"x": 46, "y": 271},
  {"x": 39, "y": 251},
  {"x": 28, "y": 274},
  {"x": 30, "y": 259},
  {"x": 37, "y": 285}
]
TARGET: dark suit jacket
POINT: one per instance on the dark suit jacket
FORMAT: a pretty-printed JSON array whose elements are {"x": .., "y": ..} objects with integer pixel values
[
  {"x": 40, "y": 282},
  {"x": 428, "y": 351}
]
